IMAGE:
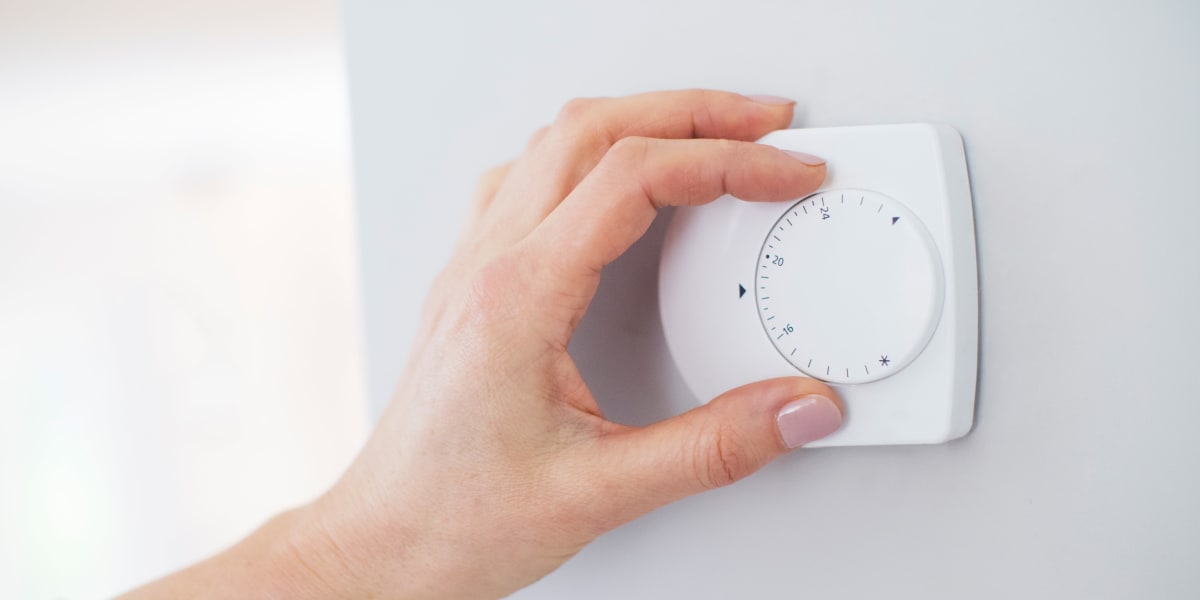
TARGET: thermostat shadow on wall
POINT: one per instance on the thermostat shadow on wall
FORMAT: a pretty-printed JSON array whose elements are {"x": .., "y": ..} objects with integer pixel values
[{"x": 868, "y": 284}]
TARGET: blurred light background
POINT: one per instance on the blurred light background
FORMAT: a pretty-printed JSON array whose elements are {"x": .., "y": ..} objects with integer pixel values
[{"x": 179, "y": 331}]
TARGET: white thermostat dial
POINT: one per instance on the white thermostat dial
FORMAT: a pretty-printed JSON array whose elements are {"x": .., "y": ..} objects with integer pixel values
[
  {"x": 848, "y": 285},
  {"x": 868, "y": 284}
]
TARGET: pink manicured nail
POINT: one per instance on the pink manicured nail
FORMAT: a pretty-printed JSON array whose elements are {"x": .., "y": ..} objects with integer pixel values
[
  {"x": 767, "y": 99},
  {"x": 807, "y": 419},
  {"x": 804, "y": 157}
]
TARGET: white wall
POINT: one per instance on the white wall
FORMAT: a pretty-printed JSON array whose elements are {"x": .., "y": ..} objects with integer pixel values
[
  {"x": 1082, "y": 476},
  {"x": 179, "y": 328}
]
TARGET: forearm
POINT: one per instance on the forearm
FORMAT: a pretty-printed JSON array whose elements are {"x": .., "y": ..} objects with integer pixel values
[{"x": 288, "y": 557}]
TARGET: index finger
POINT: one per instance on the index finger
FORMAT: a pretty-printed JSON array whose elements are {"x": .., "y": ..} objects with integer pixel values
[
  {"x": 587, "y": 128},
  {"x": 615, "y": 204}
]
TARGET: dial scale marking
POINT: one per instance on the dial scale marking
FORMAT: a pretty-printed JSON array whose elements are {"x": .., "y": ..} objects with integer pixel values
[{"x": 850, "y": 291}]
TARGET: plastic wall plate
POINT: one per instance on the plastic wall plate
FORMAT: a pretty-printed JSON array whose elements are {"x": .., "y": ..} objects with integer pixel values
[{"x": 868, "y": 284}]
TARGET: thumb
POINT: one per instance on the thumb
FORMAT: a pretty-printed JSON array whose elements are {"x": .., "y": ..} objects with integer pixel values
[{"x": 716, "y": 444}]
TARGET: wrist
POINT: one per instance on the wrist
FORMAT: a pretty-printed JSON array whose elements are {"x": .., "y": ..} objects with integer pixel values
[
  {"x": 309, "y": 558},
  {"x": 292, "y": 555},
  {"x": 288, "y": 557},
  {"x": 335, "y": 547}
]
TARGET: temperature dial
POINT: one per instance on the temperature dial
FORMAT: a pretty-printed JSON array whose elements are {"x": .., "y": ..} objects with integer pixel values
[{"x": 849, "y": 286}]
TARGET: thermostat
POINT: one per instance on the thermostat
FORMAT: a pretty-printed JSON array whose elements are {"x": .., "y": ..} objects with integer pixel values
[{"x": 868, "y": 284}]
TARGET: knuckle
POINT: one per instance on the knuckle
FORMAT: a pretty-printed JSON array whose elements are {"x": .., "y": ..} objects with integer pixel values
[
  {"x": 489, "y": 290},
  {"x": 732, "y": 149},
  {"x": 707, "y": 116},
  {"x": 575, "y": 112},
  {"x": 493, "y": 174},
  {"x": 537, "y": 137},
  {"x": 628, "y": 151},
  {"x": 721, "y": 459},
  {"x": 487, "y": 183}
]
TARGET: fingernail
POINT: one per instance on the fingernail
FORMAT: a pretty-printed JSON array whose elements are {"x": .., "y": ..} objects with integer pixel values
[
  {"x": 808, "y": 159},
  {"x": 807, "y": 419},
  {"x": 768, "y": 99}
]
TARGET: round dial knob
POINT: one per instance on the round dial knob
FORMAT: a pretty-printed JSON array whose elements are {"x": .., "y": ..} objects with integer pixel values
[{"x": 849, "y": 286}]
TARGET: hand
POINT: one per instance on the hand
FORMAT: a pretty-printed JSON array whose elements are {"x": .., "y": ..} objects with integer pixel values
[{"x": 493, "y": 463}]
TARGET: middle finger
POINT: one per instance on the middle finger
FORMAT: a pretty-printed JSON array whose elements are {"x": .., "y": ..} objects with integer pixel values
[{"x": 586, "y": 128}]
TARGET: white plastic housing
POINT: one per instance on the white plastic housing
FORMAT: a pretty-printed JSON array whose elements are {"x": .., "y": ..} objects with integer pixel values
[{"x": 868, "y": 284}]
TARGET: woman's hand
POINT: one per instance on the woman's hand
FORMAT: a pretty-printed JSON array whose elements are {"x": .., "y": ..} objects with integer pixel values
[{"x": 493, "y": 464}]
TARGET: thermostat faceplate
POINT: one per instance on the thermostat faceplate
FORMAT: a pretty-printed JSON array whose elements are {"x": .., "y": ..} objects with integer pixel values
[{"x": 868, "y": 284}]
